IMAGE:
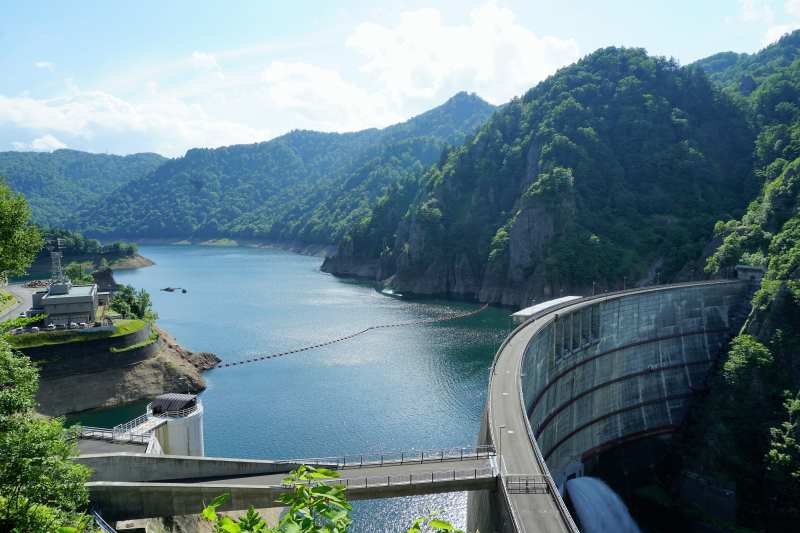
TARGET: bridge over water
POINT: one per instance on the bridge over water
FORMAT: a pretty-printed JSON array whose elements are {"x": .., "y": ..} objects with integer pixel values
[
  {"x": 139, "y": 485},
  {"x": 575, "y": 379}
]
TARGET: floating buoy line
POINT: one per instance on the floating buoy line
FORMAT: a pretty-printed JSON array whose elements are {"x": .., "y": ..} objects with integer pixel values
[{"x": 257, "y": 359}]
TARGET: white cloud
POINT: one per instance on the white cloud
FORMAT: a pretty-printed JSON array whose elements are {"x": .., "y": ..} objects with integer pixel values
[
  {"x": 46, "y": 65},
  {"x": 792, "y": 7},
  {"x": 376, "y": 75},
  {"x": 323, "y": 98},
  {"x": 45, "y": 143},
  {"x": 756, "y": 11},
  {"x": 203, "y": 60},
  {"x": 492, "y": 54},
  {"x": 98, "y": 120},
  {"x": 776, "y": 32}
]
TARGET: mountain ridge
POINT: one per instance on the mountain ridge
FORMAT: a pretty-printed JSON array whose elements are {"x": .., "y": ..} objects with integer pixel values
[{"x": 302, "y": 186}]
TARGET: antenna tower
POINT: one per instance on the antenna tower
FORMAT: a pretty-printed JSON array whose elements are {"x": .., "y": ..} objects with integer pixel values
[{"x": 56, "y": 271}]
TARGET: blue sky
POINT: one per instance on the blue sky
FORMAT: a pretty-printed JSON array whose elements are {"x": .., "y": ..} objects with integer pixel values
[{"x": 124, "y": 77}]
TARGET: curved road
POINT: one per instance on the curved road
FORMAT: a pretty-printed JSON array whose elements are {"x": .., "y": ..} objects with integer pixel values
[
  {"x": 23, "y": 296},
  {"x": 509, "y": 427}
]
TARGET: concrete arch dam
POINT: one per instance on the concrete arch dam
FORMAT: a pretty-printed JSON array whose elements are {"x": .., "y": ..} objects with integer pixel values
[{"x": 584, "y": 376}]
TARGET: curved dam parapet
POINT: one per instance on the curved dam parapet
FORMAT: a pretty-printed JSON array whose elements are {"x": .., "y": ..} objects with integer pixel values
[{"x": 587, "y": 375}]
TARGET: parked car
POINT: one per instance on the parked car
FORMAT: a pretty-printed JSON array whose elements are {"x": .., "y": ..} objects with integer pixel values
[
  {"x": 51, "y": 327},
  {"x": 83, "y": 325},
  {"x": 34, "y": 329},
  {"x": 22, "y": 315},
  {"x": 73, "y": 325}
]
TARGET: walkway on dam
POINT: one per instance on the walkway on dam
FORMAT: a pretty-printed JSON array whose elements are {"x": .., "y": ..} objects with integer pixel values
[
  {"x": 131, "y": 486},
  {"x": 518, "y": 454}
]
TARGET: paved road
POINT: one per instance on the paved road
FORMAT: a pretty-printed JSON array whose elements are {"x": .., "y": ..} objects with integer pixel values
[
  {"x": 535, "y": 512},
  {"x": 516, "y": 455},
  {"x": 23, "y": 296}
]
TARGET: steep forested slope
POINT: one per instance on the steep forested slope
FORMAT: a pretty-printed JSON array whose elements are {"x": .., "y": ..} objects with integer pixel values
[
  {"x": 615, "y": 167},
  {"x": 742, "y": 73},
  {"x": 56, "y": 184},
  {"x": 749, "y": 432},
  {"x": 304, "y": 186}
]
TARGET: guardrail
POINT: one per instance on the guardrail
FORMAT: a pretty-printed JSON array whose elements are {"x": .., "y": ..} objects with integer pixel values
[
  {"x": 402, "y": 457},
  {"x": 88, "y": 432},
  {"x": 526, "y": 484},
  {"x": 412, "y": 478},
  {"x": 130, "y": 424},
  {"x": 171, "y": 414},
  {"x": 102, "y": 524}
]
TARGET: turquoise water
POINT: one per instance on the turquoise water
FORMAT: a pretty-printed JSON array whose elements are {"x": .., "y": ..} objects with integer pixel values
[{"x": 395, "y": 389}]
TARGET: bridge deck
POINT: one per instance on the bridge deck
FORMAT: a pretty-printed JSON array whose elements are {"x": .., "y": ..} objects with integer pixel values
[{"x": 152, "y": 498}]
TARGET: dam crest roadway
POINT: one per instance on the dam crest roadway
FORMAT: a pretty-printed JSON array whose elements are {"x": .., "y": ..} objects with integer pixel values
[{"x": 573, "y": 380}]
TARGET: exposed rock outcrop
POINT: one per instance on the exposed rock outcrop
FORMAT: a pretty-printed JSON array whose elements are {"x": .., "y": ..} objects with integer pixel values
[{"x": 170, "y": 368}]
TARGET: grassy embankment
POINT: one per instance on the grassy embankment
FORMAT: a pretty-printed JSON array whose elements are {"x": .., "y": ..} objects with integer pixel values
[
  {"x": 153, "y": 337},
  {"x": 6, "y": 300},
  {"x": 49, "y": 338}
]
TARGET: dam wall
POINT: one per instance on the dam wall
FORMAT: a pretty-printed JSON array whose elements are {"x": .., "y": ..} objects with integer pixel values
[{"x": 612, "y": 370}]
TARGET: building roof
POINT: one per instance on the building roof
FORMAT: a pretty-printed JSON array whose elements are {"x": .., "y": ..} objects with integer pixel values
[
  {"x": 532, "y": 310},
  {"x": 173, "y": 402},
  {"x": 78, "y": 291}
]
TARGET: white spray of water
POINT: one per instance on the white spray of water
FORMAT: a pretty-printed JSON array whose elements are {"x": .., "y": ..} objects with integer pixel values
[{"x": 600, "y": 509}]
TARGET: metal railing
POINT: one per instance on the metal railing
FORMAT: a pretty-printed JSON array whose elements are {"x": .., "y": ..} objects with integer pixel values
[
  {"x": 130, "y": 424},
  {"x": 526, "y": 484},
  {"x": 88, "y": 432},
  {"x": 102, "y": 524},
  {"x": 171, "y": 414},
  {"x": 399, "y": 458},
  {"x": 412, "y": 478}
]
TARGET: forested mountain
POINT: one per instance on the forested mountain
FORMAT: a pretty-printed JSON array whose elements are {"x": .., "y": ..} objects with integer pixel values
[
  {"x": 743, "y": 73},
  {"x": 304, "y": 186},
  {"x": 615, "y": 167},
  {"x": 57, "y": 184},
  {"x": 749, "y": 432}
]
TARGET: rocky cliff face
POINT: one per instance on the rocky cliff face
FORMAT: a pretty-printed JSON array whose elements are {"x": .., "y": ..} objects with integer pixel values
[
  {"x": 170, "y": 368},
  {"x": 612, "y": 171}
]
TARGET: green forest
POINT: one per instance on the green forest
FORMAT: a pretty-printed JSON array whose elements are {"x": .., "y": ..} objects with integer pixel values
[
  {"x": 749, "y": 431},
  {"x": 304, "y": 186},
  {"x": 57, "y": 184},
  {"x": 622, "y": 160}
]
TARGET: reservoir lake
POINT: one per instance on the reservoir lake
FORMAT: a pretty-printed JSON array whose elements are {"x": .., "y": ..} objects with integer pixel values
[{"x": 414, "y": 387}]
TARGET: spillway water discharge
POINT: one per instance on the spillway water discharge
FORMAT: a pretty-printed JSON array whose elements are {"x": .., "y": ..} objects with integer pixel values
[{"x": 599, "y": 508}]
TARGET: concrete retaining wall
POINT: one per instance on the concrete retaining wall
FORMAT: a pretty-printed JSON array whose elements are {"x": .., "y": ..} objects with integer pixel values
[
  {"x": 624, "y": 368},
  {"x": 145, "y": 467},
  {"x": 91, "y": 356}
]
